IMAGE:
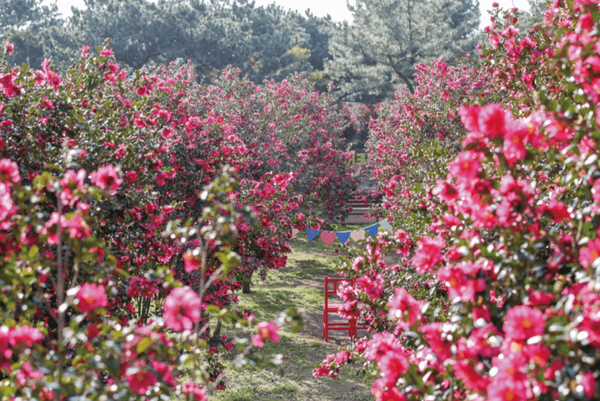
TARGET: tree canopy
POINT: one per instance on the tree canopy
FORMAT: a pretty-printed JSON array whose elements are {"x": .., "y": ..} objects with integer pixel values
[
  {"x": 379, "y": 51},
  {"x": 266, "y": 42}
]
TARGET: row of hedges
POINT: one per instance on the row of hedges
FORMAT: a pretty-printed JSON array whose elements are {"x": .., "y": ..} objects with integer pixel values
[
  {"x": 126, "y": 202},
  {"x": 492, "y": 174}
]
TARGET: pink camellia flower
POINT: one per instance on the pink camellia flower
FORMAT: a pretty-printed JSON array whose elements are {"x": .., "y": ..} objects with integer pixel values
[
  {"x": 91, "y": 296},
  {"x": 9, "y": 172},
  {"x": 492, "y": 121},
  {"x": 106, "y": 52},
  {"x": 266, "y": 331},
  {"x": 384, "y": 393},
  {"x": 459, "y": 282},
  {"x": 596, "y": 191},
  {"x": 84, "y": 51},
  {"x": 7, "y": 207},
  {"x": 506, "y": 389},
  {"x": 24, "y": 335},
  {"x": 537, "y": 298},
  {"x": 469, "y": 116},
  {"x": 77, "y": 227},
  {"x": 372, "y": 287},
  {"x": 438, "y": 343},
  {"x": 465, "y": 166},
  {"x": 429, "y": 253},
  {"x": 197, "y": 391},
  {"x": 140, "y": 381},
  {"x": 404, "y": 307},
  {"x": 8, "y": 86},
  {"x": 589, "y": 385},
  {"x": 70, "y": 183},
  {"x": 27, "y": 372},
  {"x": 515, "y": 138},
  {"x": 191, "y": 261},
  {"x": 9, "y": 48},
  {"x": 523, "y": 322},
  {"x": 590, "y": 253},
  {"x": 107, "y": 178},
  {"x": 181, "y": 309}
]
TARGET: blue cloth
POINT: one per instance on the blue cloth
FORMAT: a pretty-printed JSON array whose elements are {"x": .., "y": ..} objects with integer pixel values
[
  {"x": 372, "y": 231},
  {"x": 343, "y": 236},
  {"x": 312, "y": 234}
]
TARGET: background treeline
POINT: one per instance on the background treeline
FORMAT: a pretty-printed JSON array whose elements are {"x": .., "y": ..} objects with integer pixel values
[
  {"x": 366, "y": 60},
  {"x": 265, "y": 42}
]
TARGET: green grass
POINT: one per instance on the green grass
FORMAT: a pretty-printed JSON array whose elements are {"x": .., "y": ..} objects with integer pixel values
[{"x": 299, "y": 284}]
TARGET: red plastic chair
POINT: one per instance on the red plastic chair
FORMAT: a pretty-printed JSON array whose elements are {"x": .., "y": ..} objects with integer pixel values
[{"x": 331, "y": 286}]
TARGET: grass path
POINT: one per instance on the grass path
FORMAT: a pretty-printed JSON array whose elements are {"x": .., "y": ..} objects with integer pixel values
[{"x": 299, "y": 284}]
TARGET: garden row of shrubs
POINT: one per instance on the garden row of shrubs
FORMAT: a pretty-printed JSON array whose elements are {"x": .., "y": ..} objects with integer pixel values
[{"x": 490, "y": 176}]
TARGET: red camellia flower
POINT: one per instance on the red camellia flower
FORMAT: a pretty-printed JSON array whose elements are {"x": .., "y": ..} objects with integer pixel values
[
  {"x": 523, "y": 322},
  {"x": 140, "y": 381},
  {"x": 266, "y": 331},
  {"x": 91, "y": 296},
  {"x": 131, "y": 177},
  {"x": 107, "y": 178},
  {"x": 181, "y": 309},
  {"x": 392, "y": 365},
  {"x": 472, "y": 379},
  {"x": 191, "y": 261}
]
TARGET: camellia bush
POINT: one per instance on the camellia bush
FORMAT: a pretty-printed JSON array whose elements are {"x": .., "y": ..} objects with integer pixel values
[
  {"x": 512, "y": 244},
  {"x": 123, "y": 229}
]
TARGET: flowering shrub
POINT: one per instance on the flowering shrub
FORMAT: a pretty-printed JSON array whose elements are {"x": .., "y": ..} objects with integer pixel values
[
  {"x": 512, "y": 237},
  {"x": 122, "y": 221},
  {"x": 63, "y": 334}
]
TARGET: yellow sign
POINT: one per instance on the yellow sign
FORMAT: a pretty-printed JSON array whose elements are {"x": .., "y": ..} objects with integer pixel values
[{"x": 358, "y": 159}]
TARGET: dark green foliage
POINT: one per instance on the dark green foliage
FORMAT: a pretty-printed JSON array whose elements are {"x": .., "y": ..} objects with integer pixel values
[
  {"x": 266, "y": 42},
  {"x": 379, "y": 51}
]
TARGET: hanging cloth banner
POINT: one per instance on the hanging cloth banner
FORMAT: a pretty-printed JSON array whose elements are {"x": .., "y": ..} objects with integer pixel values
[
  {"x": 372, "y": 231},
  {"x": 329, "y": 237},
  {"x": 343, "y": 236},
  {"x": 384, "y": 223},
  {"x": 312, "y": 234}
]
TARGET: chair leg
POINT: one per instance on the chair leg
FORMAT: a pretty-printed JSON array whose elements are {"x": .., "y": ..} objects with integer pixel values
[{"x": 325, "y": 326}]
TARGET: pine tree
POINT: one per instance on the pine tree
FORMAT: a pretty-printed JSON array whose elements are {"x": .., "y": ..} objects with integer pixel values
[{"x": 378, "y": 52}]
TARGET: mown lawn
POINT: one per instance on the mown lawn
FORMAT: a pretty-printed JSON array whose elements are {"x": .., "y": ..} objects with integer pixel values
[{"x": 299, "y": 284}]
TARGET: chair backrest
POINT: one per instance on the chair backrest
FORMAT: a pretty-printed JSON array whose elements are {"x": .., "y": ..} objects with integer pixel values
[{"x": 331, "y": 287}]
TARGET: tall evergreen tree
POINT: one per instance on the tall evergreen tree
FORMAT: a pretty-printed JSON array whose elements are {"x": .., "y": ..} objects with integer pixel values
[
  {"x": 379, "y": 50},
  {"x": 24, "y": 22},
  {"x": 16, "y": 14}
]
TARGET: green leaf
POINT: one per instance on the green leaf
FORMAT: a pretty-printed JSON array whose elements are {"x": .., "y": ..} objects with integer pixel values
[{"x": 144, "y": 345}]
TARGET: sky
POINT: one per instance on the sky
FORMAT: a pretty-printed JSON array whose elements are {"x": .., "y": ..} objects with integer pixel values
[{"x": 336, "y": 8}]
